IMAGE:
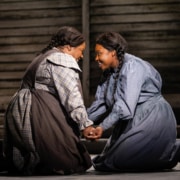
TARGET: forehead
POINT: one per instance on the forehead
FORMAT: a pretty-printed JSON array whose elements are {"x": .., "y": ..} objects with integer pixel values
[
  {"x": 82, "y": 46},
  {"x": 99, "y": 47}
]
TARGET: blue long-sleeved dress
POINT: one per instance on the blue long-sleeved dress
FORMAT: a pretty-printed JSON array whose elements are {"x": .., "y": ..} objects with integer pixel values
[{"x": 144, "y": 135}]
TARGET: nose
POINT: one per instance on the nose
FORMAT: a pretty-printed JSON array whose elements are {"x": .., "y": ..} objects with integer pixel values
[
  {"x": 96, "y": 58},
  {"x": 82, "y": 56}
]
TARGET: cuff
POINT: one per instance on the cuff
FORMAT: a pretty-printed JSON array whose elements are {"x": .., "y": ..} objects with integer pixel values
[{"x": 85, "y": 124}]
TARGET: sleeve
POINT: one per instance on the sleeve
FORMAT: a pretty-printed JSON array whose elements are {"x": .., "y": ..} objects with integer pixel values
[
  {"x": 129, "y": 87},
  {"x": 98, "y": 107},
  {"x": 67, "y": 81}
]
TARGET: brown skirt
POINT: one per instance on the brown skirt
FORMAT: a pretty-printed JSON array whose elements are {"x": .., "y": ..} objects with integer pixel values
[
  {"x": 40, "y": 138},
  {"x": 56, "y": 136}
]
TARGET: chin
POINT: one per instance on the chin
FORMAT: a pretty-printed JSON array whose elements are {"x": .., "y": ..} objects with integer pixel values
[{"x": 104, "y": 69}]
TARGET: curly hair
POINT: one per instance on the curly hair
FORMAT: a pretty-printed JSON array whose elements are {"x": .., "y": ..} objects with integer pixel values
[{"x": 66, "y": 35}]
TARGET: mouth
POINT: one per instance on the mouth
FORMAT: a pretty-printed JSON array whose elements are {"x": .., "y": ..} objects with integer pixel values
[
  {"x": 100, "y": 64},
  {"x": 79, "y": 59}
]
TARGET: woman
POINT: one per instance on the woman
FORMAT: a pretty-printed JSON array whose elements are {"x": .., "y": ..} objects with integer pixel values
[
  {"x": 44, "y": 118},
  {"x": 129, "y": 100}
]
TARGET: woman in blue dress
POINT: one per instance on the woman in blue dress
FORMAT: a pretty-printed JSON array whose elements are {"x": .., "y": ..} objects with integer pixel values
[{"x": 129, "y": 100}]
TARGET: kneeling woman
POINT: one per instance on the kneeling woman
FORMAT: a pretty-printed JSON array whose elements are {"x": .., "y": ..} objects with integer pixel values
[
  {"x": 45, "y": 117},
  {"x": 129, "y": 99}
]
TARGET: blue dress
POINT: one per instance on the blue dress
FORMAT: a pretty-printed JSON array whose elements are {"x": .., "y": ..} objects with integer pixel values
[{"x": 144, "y": 133}]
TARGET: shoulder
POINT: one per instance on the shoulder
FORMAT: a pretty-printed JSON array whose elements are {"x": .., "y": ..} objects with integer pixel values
[
  {"x": 132, "y": 59},
  {"x": 132, "y": 63},
  {"x": 140, "y": 66},
  {"x": 129, "y": 58},
  {"x": 136, "y": 63},
  {"x": 64, "y": 60}
]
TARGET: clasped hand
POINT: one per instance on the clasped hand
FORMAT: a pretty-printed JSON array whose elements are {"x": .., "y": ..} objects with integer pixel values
[{"x": 92, "y": 133}]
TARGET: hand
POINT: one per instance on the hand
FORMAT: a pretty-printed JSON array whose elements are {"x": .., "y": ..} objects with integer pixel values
[
  {"x": 98, "y": 132},
  {"x": 88, "y": 132},
  {"x": 92, "y": 133}
]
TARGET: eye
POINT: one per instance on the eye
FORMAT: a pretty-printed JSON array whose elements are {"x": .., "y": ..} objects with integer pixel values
[{"x": 98, "y": 53}]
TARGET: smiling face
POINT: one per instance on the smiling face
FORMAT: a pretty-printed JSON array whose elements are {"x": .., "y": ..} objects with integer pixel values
[{"x": 105, "y": 58}]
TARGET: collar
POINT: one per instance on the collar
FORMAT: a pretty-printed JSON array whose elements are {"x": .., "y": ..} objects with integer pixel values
[{"x": 63, "y": 59}]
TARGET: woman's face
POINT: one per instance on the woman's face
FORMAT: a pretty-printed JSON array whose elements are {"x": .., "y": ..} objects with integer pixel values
[
  {"x": 105, "y": 58},
  {"x": 77, "y": 52}
]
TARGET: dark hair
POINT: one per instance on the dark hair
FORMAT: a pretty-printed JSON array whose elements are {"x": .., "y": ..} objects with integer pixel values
[
  {"x": 113, "y": 41},
  {"x": 66, "y": 35}
]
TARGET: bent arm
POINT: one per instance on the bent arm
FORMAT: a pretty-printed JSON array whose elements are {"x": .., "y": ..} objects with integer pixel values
[
  {"x": 98, "y": 107},
  {"x": 68, "y": 87},
  {"x": 127, "y": 94}
]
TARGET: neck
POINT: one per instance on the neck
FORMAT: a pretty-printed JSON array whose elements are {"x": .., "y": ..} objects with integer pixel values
[
  {"x": 116, "y": 63},
  {"x": 61, "y": 49}
]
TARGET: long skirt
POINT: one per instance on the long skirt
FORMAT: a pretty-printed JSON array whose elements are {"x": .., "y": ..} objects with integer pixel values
[
  {"x": 146, "y": 142},
  {"x": 40, "y": 138}
]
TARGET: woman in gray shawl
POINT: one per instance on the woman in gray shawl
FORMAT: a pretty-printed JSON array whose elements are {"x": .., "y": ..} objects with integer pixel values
[{"x": 44, "y": 119}]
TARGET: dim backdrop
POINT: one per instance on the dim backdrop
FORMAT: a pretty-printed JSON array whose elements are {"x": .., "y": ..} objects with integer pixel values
[{"x": 151, "y": 27}]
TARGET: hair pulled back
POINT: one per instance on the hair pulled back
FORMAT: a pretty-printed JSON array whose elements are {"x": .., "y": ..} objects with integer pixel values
[
  {"x": 66, "y": 35},
  {"x": 113, "y": 41}
]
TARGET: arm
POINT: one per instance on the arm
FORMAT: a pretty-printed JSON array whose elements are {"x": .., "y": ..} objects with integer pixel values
[
  {"x": 127, "y": 94},
  {"x": 67, "y": 84},
  {"x": 98, "y": 107}
]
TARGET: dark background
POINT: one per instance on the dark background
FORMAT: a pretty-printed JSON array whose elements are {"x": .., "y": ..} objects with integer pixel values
[{"x": 152, "y": 29}]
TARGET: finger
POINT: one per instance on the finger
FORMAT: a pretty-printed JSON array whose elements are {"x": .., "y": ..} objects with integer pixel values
[
  {"x": 92, "y": 137},
  {"x": 91, "y": 133}
]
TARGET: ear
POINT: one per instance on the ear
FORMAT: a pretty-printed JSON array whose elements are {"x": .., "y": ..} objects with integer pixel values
[
  {"x": 113, "y": 53},
  {"x": 68, "y": 47}
]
